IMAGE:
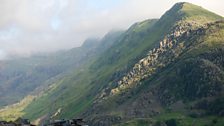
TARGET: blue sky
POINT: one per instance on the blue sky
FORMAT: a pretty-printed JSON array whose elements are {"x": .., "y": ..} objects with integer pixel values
[{"x": 33, "y": 26}]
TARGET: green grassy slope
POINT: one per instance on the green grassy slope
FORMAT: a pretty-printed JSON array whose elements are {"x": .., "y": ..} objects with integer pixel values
[
  {"x": 21, "y": 76},
  {"x": 35, "y": 74},
  {"x": 78, "y": 90},
  {"x": 77, "y": 93}
]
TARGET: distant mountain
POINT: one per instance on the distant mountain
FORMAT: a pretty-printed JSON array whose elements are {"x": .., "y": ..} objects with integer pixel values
[
  {"x": 21, "y": 76},
  {"x": 160, "y": 72}
]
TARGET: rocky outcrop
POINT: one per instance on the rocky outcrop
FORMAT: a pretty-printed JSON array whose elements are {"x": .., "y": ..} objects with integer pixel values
[{"x": 167, "y": 50}]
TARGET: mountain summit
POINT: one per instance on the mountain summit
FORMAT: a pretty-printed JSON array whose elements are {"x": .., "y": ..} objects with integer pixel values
[{"x": 184, "y": 10}]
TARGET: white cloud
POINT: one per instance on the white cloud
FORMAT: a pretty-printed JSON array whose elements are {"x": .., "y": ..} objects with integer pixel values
[
  {"x": 2, "y": 54},
  {"x": 28, "y": 27}
]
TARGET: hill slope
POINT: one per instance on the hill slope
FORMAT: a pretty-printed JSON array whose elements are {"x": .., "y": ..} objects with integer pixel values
[
  {"x": 33, "y": 75},
  {"x": 154, "y": 84},
  {"x": 77, "y": 90}
]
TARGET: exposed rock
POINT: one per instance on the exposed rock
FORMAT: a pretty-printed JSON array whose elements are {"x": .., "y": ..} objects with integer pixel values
[{"x": 169, "y": 48}]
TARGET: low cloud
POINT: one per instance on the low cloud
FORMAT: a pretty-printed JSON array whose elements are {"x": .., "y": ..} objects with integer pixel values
[{"x": 28, "y": 27}]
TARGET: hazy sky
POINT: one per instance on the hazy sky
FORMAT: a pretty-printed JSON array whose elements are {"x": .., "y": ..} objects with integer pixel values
[{"x": 32, "y": 26}]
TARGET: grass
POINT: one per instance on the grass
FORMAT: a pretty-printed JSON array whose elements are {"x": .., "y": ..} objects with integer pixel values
[
  {"x": 180, "y": 119},
  {"x": 184, "y": 120},
  {"x": 199, "y": 14},
  {"x": 137, "y": 122},
  {"x": 12, "y": 112}
]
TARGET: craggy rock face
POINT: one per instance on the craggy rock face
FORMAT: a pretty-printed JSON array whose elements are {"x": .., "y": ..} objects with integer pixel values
[{"x": 167, "y": 51}]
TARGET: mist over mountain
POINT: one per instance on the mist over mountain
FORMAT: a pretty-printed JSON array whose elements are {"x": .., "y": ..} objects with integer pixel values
[
  {"x": 39, "y": 26},
  {"x": 165, "y": 71}
]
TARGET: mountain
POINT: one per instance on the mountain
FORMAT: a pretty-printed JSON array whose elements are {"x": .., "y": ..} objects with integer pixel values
[
  {"x": 159, "y": 72},
  {"x": 174, "y": 74},
  {"x": 21, "y": 76},
  {"x": 33, "y": 75},
  {"x": 78, "y": 91}
]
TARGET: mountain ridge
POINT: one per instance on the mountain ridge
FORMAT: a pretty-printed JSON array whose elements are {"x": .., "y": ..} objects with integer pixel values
[{"x": 186, "y": 27}]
